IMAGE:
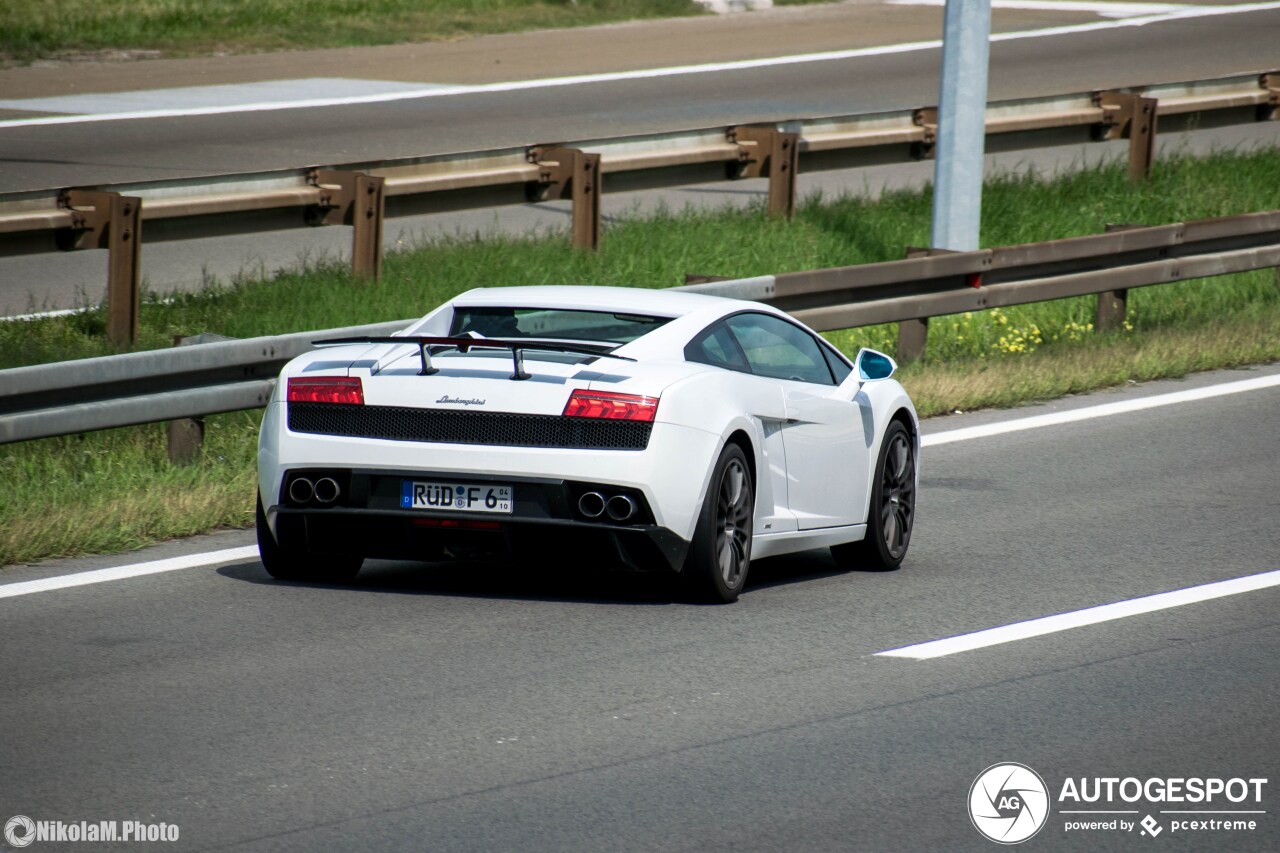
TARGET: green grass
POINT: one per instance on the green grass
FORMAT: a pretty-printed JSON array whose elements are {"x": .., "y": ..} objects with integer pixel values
[
  {"x": 114, "y": 490},
  {"x": 33, "y": 29},
  {"x": 657, "y": 251}
]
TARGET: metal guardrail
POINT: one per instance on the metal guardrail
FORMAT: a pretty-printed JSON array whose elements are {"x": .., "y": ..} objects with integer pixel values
[
  {"x": 361, "y": 195},
  {"x": 193, "y": 381},
  {"x": 911, "y": 291},
  {"x": 70, "y": 397}
]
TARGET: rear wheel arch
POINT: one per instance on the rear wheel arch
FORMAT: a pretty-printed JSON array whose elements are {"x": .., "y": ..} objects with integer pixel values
[
  {"x": 291, "y": 564},
  {"x": 719, "y": 557}
]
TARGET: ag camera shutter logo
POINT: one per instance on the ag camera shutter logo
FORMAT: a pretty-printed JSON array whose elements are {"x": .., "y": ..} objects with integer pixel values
[
  {"x": 1008, "y": 803},
  {"x": 20, "y": 830}
]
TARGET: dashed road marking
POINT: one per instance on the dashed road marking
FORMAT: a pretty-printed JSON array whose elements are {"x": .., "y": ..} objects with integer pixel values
[
  {"x": 1088, "y": 616},
  {"x": 154, "y": 567}
]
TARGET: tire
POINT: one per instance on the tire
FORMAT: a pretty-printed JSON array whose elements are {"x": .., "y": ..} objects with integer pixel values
[
  {"x": 715, "y": 568},
  {"x": 289, "y": 565},
  {"x": 891, "y": 511}
]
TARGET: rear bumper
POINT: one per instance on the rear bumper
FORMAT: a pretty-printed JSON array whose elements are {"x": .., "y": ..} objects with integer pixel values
[
  {"x": 671, "y": 472},
  {"x": 544, "y": 527}
]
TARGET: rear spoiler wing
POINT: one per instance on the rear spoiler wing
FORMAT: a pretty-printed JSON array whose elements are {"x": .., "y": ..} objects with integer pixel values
[{"x": 463, "y": 344}]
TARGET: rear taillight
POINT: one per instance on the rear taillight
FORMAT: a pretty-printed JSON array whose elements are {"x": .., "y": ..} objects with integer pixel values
[
  {"x": 326, "y": 389},
  {"x": 611, "y": 405}
]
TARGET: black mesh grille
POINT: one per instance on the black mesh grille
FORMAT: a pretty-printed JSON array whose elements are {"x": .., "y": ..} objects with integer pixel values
[{"x": 502, "y": 429}]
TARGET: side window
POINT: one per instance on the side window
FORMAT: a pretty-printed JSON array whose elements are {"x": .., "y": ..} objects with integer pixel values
[
  {"x": 840, "y": 368},
  {"x": 775, "y": 348},
  {"x": 716, "y": 346}
]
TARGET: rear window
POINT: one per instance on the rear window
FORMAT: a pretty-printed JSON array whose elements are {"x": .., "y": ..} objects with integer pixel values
[
  {"x": 717, "y": 346},
  {"x": 596, "y": 326}
]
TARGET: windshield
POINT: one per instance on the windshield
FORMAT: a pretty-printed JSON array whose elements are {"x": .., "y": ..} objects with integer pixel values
[{"x": 596, "y": 326}]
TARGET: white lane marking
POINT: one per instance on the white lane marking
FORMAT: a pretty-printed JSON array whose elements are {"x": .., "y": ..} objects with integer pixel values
[
  {"x": 1102, "y": 9},
  {"x": 172, "y": 564},
  {"x": 44, "y": 315},
  {"x": 1120, "y": 407},
  {"x": 221, "y": 95},
  {"x": 644, "y": 74},
  {"x": 66, "y": 312},
  {"x": 251, "y": 552},
  {"x": 1088, "y": 616}
]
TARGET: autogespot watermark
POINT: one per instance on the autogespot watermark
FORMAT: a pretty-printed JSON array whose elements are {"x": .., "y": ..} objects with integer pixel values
[
  {"x": 1009, "y": 803},
  {"x": 21, "y": 831}
]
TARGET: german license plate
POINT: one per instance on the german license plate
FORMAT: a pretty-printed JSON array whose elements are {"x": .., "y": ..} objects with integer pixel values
[{"x": 415, "y": 494}]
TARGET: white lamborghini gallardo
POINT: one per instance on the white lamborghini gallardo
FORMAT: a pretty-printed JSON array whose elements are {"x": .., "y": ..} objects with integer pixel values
[{"x": 635, "y": 428}]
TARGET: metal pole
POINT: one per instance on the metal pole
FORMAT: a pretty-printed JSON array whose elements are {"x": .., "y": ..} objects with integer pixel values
[{"x": 962, "y": 104}]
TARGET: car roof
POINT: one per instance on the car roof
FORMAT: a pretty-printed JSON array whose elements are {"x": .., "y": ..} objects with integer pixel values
[{"x": 665, "y": 303}]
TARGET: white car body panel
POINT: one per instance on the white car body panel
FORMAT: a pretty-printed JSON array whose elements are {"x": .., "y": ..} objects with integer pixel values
[
  {"x": 827, "y": 459},
  {"x": 779, "y": 544},
  {"x": 813, "y": 447},
  {"x": 674, "y": 504}
]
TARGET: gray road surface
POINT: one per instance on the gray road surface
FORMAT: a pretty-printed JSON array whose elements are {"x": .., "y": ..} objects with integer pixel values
[
  {"x": 111, "y": 152},
  {"x": 543, "y": 707}
]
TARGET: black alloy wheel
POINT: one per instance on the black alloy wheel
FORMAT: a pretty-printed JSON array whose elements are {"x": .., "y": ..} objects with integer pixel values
[
  {"x": 720, "y": 554},
  {"x": 892, "y": 510}
]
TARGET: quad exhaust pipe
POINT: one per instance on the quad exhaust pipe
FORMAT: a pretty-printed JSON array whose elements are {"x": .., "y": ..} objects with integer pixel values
[
  {"x": 617, "y": 507},
  {"x": 327, "y": 490},
  {"x": 591, "y": 504},
  {"x": 620, "y": 507},
  {"x": 301, "y": 490}
]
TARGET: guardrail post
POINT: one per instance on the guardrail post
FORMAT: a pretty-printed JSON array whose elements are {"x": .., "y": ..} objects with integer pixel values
[
  {"x": 573, "y": 174},
  {"x": 913, "y": 335},
  {"x": 108, "y": 220},
  {"x": 765, "y": 152},
  {"x": 1133, "y": 117},
  {"x": 186, "y": 440},
  {"x": 1270, "y": 111},
  {"x": 926, "y": 118},
  {"x": 1113, "y": 305},
  {"x": 186, "y": 435},
  {"x": 355, "y": 199},
  {"x": 1112, "y": 309}
]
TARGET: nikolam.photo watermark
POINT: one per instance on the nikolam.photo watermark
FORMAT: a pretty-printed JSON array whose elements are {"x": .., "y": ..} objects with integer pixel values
[
  {"x": 22, "y": 831},
  {"x": 1009, "y": 803}
]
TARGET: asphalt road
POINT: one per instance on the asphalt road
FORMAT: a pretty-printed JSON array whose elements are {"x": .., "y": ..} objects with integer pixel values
[
  {"x": 111, "y": 152},
  {"x": 544, "y": 707}
]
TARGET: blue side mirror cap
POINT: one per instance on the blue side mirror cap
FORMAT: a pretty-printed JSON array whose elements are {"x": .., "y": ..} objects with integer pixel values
[{"x": 874, "y": 365}]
